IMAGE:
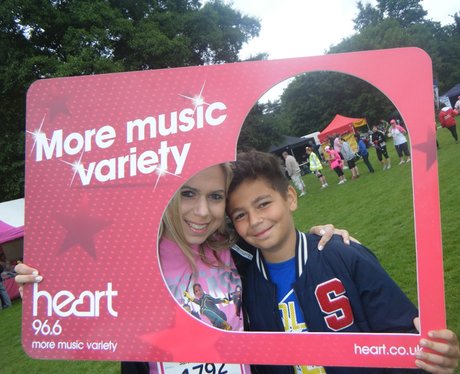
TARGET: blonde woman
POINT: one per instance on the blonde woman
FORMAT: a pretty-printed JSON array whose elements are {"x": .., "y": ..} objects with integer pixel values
[{"x": 196, "y": 260}]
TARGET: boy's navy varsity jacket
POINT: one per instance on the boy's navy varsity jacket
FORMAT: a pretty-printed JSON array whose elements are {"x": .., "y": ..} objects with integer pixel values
[{"x": 377, "y": 303}]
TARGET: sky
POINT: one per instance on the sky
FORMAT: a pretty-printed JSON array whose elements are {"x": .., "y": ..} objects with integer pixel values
[{"x": 312, "y": 26}]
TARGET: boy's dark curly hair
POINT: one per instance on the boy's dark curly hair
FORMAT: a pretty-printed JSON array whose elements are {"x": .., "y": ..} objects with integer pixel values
[{"x": 254, "y": 165}]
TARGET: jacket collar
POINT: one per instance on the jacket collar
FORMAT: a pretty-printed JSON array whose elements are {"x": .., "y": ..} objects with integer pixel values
[{"x": 301, "y": 256}]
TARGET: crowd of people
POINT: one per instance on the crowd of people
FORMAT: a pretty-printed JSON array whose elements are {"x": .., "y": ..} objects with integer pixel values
[{"x": 341, "y": 155}]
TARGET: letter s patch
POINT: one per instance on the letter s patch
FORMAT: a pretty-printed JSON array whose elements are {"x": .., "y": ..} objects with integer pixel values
[{"x": 335, "y": 304}]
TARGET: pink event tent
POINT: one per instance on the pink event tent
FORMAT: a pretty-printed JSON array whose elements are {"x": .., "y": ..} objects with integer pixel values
[
  {"x": 12, "y": 228},
  {"x": 341, "y": 125},
  {"x": 9, "y": 233}
]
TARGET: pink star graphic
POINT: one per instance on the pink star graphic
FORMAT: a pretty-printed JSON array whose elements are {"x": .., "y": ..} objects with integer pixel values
[
  {"x": 428, "y": 147},
  {"x": 161, "y": 340},
  {"x": 81, "y": 229},
  {"x": 58, "y": 105}
]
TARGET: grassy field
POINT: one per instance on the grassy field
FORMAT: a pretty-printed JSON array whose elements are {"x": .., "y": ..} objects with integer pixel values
[{"x": 376, "y": 209}]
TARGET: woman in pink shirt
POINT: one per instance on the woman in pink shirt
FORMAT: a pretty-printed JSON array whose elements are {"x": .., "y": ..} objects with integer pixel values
[
  {"x": 198, "y": 268},
  {"x": 336, "y": 163},
  {"x": 196, "y": 262}
]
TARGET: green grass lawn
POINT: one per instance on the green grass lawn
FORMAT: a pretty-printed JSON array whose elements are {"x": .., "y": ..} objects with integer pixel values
[{"x": 376, "y": 209}]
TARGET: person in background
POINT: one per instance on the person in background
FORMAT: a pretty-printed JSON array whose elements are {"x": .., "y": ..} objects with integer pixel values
[
  {"x": 384, "y": 126},
  {"x": 457, "y": 104},
  {"x": 447, "y": 120},
  {"x": 316, "y": 166},
  {"x": 288, "y": 276},
  {"x": 362, "y": 150},
  {"x": 293, "y": 170},
  {"x": 5, "y": 300},
  {"x": 350, "y": 157},
  {"x": 337, "y": 145},
  {"x": 400, "y": 141},
  {"x": 380, "y": 145},
  {"x": 317, "y": 149},
  {"x": 336, "y": 163}
]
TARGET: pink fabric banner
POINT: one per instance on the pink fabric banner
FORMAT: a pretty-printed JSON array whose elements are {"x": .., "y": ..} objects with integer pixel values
[{"x": 9, "y": 233}]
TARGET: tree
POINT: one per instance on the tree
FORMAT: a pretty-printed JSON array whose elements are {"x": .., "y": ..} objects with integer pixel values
[
  {"x": 405, "y": 12},
  {"x": 402, "y": 23},
  {"x": 312, "y": 100},
  {"x": 367, "y": 16},
  {"x": 262, "y": 127},
  {"x": 53, "y": 38},
  {"x": 447, "y": 68}
]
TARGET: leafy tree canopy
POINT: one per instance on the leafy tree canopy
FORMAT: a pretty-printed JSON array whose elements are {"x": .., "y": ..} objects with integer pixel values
[
  {"x": 53, "y": 38},
  {"x": 312, "y": 100},
  {"x": 262, "y": 127},
  {"x": 405, "y": 12}
]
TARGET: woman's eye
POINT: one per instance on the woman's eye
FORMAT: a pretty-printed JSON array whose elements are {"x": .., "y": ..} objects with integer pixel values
[
  {"x": 217, "y": 196},
  {"x": 187, "y": 193}
]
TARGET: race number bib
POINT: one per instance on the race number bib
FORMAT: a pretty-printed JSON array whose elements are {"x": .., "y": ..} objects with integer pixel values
[{"x": 194, "y": 368}]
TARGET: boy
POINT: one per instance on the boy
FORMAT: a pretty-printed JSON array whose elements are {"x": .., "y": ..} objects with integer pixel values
[{"x": 260, "y": 204}]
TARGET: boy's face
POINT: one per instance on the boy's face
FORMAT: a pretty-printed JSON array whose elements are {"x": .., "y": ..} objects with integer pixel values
[{"x": 263, "y": 218}]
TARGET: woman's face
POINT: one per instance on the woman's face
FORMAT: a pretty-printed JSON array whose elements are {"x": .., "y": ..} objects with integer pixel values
[{"x": 202, "y": 204}]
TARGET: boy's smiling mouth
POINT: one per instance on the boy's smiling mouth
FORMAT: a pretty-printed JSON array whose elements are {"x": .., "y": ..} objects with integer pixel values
[{"x": 263, "y": 233}]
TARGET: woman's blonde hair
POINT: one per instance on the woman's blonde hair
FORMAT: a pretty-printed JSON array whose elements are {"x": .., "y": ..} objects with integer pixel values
[{"x": 220, "y": 240}]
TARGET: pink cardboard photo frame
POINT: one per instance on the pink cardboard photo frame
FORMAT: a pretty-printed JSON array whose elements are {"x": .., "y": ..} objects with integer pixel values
[{"x": 98, "y": 181}]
